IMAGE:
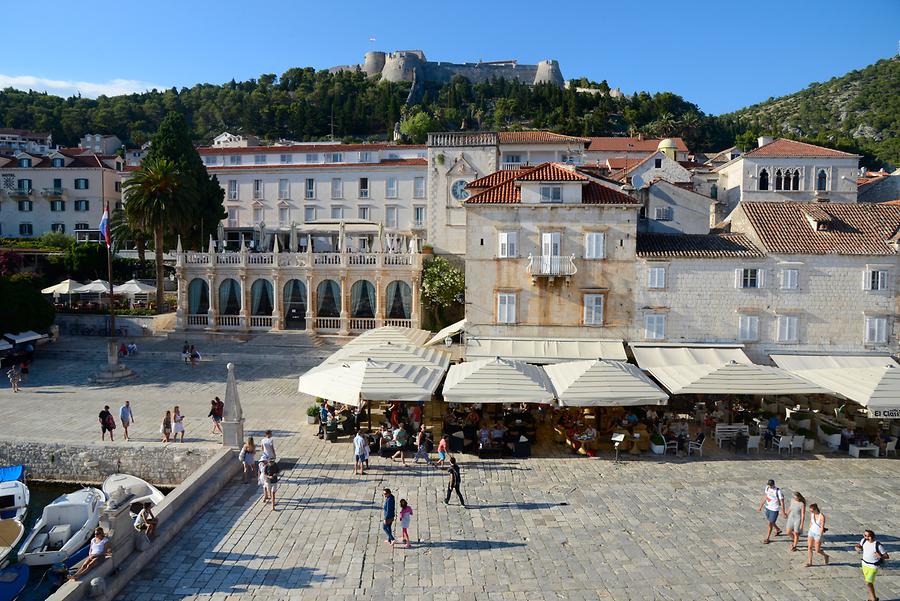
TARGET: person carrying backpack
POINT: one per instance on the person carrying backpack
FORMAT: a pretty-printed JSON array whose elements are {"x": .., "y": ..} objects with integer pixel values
[{"x": 873, "y": 557}]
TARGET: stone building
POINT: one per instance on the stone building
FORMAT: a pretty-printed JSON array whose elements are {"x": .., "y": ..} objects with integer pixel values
[
  {"x": 14, "y": 140},
  {"x": 786, "y": 170},
  {"x": 322, "y": 291},
  {"x": 60, "y": 192},
  {"x": 599, "y": 149},
  {"x": 785, "y": 277},
  {"x": 549, "y": 254}
]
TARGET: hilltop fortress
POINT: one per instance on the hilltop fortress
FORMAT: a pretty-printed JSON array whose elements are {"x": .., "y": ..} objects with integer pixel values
[{"x": 411, "y": 65}]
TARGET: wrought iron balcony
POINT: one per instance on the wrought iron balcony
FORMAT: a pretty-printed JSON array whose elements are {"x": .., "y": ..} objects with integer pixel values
[
  {"x": 52, "y": 192},
  {"x": 551, "y": 266}
]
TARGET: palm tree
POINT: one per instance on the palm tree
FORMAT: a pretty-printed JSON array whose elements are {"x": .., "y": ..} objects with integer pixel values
[
  {"x": 121, "y": 231},
  {"x": 157, "y": 200}
]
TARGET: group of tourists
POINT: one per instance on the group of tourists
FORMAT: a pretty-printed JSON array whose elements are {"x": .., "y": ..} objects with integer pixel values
[
  {"x": 265, "y": 470},
  {"x": 171, "y": 428},
  {"x": 873, "y": 552},
  {"x": 190, "y": 354}
]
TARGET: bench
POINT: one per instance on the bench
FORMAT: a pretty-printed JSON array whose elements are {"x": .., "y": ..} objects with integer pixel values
[
  {"x": 855, "y": 450},
  {"x": 730, "y": 431}
]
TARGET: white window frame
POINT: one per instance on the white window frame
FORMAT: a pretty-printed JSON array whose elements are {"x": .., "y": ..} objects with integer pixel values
[
  {"x": 391, "y": 186},
  {"x": 58, "y": 228},
  {"x": 655, "y": 326},
  {"x": 363, "y": 212},
  {"x": 391, "y": 216},
  {"x": 419, "y": 187},
  {"x": 594, "y": 245},
  {"x": 82, "y": 183},
  {"x": 25, "y": 203},
  {"x": 336, "y": 212},
  {"x": 309, "y": 188},
  {"x": 506, "y": 307},
  {"x": 234, "y": 159},
  {"x": 284, "y": 189},
  {"x": 742, "y": 276},
  {"x": 875, "y": 280},
  {"x": 312, "y": 158},
  {"x": 334, "y": 157},
  {"x": 364, "y": 189},
  {"x": 551, "y": 194},
  {"x": 594, "y": 307},
  {"x": 507, "y": 245},
  {"x": 366, "y": 156},
  {"x": 57, "y": 203},
  {"x": 876, "y": 329},
  {"x": 232, "y": 189},
  {"x": 663, "y": 213},
  {"x": 258, "y": 189},
  {"x": 286, "y": 159},
  {"x": 259, "y": 159},
  {"x": 790, "y": 278},
  {"x": 787, "y": 328},
  {"x": 284, "y": 215},
  {"x": 337, "y": 188},
  {"x": 748, "y": 328},
  {"x": 420, "y": 215},
  {"x": 306, "y": 214},
  {"x": 656, "y": 277}
]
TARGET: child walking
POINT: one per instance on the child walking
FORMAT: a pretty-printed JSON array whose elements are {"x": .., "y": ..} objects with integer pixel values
[{"x": 405, "y": 517}]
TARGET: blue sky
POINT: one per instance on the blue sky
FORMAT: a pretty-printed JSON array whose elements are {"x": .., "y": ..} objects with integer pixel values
[{"x": 721, "y": 55}]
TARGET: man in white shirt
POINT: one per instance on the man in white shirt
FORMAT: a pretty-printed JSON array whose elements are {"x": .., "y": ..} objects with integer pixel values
[
  {"x": 359, "y": 450},
  {"x": 873, "y": 555},
  {"x": 773, "y": 501}
]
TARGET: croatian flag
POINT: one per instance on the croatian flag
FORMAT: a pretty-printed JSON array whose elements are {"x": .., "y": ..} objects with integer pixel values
[{"x": 104, "y": 226}]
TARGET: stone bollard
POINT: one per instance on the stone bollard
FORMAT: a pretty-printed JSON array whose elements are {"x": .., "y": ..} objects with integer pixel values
[
  {"x": 98, "y": 587},
  {"x": 116, "y": 520}
]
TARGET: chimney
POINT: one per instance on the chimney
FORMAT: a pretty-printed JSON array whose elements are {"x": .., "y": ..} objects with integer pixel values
[
  {"x": 763, "y": 140},
  {"x": 640, "y": 136}
]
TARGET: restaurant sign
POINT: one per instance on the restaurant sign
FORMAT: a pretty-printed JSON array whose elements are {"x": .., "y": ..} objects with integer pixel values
[{"x": 879, "y": 413}]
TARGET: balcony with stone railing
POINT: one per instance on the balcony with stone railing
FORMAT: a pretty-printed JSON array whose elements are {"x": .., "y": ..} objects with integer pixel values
[{"x": 551, "y": 266}]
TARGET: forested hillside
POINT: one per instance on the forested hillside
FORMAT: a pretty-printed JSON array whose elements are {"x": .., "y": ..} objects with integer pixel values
[{"x": 858, "y": 110}]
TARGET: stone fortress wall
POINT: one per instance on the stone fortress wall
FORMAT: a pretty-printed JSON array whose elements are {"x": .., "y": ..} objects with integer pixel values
[{"x": 411, "y": 65}]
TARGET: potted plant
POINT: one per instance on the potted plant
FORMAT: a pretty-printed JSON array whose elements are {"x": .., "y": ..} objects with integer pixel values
[
  {"x": 657, "y": 444},
  {"x": 312, "y": 412},
  {"x": 427, "y": 249},
  {"x": 809, "y": 440}
]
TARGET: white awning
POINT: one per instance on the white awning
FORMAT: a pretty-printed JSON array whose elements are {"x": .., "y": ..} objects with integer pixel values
[
  {"x": 497, "y": 380},
  {"x": 23, "y": 337},
  {"x": 603, "y": 384},
  {"x": 132, "y": 287},
  {"x": 392, "y": 334},
  {"x": 64, "y": 287},
  {"x": 544, "y": 350},
  {"x": 95, "y": 287},
  {"x": 716, "y": 370},
  {"x": 872, "y": 381},
  {"x": 451, "y": 330},
  {"x": 347, "y": 383},
  {"x": 392, "y": 352}
]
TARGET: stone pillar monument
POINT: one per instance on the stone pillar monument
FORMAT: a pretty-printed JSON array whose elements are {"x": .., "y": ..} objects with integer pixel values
[{"x": 233, "y": 419}]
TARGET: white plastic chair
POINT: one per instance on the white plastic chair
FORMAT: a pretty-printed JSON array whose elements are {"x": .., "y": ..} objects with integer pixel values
[
  {"x": 753, "y": 443},
  {"x": 891, "y": 447},
  {"x": 671, "y": 445},
  {"x": 784, "y": 443},
  {"x": 693, "y": 445},
  {"x": 797, "y": 443}
]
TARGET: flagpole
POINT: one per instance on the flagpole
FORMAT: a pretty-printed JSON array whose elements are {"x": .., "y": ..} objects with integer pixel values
[{"x": 112, "y": 311}]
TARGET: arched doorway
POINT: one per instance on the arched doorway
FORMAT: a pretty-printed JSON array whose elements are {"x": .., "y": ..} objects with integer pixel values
[
  {"x": 229, "y": 297},
  {"x": 295, "y": 305},
  {"x": 399, "y": 300},
  {"x": 198, "y": 297},
  {"x": 328, "y": 299},
  {"x": 362, "y": 299},
  {"x": 261, "y": 298}
]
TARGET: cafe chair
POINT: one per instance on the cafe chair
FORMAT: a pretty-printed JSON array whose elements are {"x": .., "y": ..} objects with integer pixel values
[
  {"x": 671, "y": 445},
  {"x": 697, "y": 445},
  {"x": 891, "y": 447},
  {"x": 784, "y": 442},
  {"x": 797, "y": 443},
  {"x": 753, "y": 443}
]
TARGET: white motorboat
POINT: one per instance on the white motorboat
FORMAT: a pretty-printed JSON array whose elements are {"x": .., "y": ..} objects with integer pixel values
[
  {"x": 66, "y": 525},
  {"x": 11, "y": 532},
  {"x": 14, "y": 494},
  {"x": 131, "y": 489}
]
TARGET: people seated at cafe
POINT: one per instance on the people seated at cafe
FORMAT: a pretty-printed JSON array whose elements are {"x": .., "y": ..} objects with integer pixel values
[
  {"x": 484, "y": 437},
  {"x": 630, "y": 418},
  {"x": 498, "y": 432},
  {"x": 400, "y": 436},
  {"x": 771, "y": 429},
  {"x": 472, "y": 418},
  {"x": 385, "y": 438},
  {"x": 884, "y": 437}
]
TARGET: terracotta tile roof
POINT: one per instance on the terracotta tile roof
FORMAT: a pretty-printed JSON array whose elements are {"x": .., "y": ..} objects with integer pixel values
[
  {"x": 381, "y": 164},
  {"x": 852, "y": 229},
  {"x": 890, "y": 202},
  {"x": 303, "y": 148},
  {"x": 693, "y": 165},
  {"x": 690, "y": 246},
  {"x": 538, "y": 137},
  {"x": 25, "y": 133},
  {"x": 621, "y": 162},
  {"x": 88, "y": 161},
  {"x": 619, "y": 144},
  {"x": 782, "y": 147},
  {"x": 507, "y": 190},
  {"x": 497, "y": 177},
  {"x": 551, "y": 172}
]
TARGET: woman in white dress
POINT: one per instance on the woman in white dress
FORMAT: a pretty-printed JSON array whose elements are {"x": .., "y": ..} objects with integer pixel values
[{"x": 178, "y": 423}]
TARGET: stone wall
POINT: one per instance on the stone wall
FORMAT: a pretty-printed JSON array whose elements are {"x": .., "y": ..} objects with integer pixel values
[
  {"x": 134, "y": 326},
  {"x": 86, "y": 463}
]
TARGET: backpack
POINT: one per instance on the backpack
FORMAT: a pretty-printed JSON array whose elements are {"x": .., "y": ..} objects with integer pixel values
[{"x": 273, "y": 476}]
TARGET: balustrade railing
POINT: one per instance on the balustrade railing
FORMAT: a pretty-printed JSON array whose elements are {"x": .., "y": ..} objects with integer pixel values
[
  {"x": 328, "y": 323},
  {"x": 229, "y": 321},
  {"x": 363, "y": 259},
  {"x": 261, "y": 259},
  {"x": 402, "y": 323},
  {"x": 228, "y": 259},
  {"x": 197, "y": 258},
  {"x": 551, "y": 265},
  {"x": 398, "y": 260},
  {"x": 260, "y": 321},
  {"x": 362, "y": 323},
  {"x": 327, "y": 259},
  {"x": 200, "y": 319}
]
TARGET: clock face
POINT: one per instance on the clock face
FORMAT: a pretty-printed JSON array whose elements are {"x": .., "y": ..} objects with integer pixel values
[{"x": 458, "y": 189}]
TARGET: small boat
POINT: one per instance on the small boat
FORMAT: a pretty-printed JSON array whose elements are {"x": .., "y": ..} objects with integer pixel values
[
  {"x": 66, "y": 525},
  {"x": 13, "y": 581},
  {"x": 11, "y": 532},
  {"x": 14, "y": 493},
  {"x": 133, "y": 490}
]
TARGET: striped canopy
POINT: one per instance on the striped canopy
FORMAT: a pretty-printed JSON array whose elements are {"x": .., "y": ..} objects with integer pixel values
[
  {"x": 392, "y": 352},
  {"x": 349, "y": 382},
  {"x": 497, "y": 380},
  {"x": 599, "y": 383}
]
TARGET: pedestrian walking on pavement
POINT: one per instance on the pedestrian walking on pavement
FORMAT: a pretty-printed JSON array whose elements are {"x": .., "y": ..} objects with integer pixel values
[
  {"x": 421, "y": 444},
  {"x": 186, "y": 352},
  {"x": 165, "y": 428},
  {"x": 246, "y": 457},
  {"x": 270, "y": 480},
  {"x": 796, "y": 515},
  {"x": 194, "y": 355},
  {"x": 216, "y": 408},
  {"x": 442, "y": 452},
  {"x": 268, "y": 447},
  {"x": 453, "y": 483},
  {"x": 405, "y": 519},
  {"x": 177, "y": 424},
  {"x": 14, "y": 377},
  {"x": 873, "y": 557},
  {"x": 773, "y": 501},
  {"x": 107, "y": 423},
  {"x": 359, "y": 453},
  {"x": 126, "y": 416},
  {"x": 388, "y": 513},
  {"x": 814, "y": 534}
]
